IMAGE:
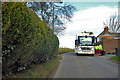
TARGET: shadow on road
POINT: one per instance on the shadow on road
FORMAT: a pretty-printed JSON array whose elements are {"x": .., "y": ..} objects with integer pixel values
[
  {"x": 84, "y": 55},
  {"x": 74, "y": 54}
]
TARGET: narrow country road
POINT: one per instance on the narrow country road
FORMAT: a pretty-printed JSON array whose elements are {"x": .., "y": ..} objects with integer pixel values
[{"x": 73, "y": 66}]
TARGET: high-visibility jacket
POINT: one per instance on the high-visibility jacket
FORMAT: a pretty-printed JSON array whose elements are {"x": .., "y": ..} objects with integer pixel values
[
  {"x": 100, "y": 47},
  {"x": 96, "y": 47}
]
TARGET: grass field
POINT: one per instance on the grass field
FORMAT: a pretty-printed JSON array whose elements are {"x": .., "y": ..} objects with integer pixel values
[
  {"x": 116, "y": 58},
  {"x": 63, "y": 50}
]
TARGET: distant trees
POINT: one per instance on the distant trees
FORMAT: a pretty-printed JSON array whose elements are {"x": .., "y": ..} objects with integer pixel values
[{"x": 53, "y": 14}]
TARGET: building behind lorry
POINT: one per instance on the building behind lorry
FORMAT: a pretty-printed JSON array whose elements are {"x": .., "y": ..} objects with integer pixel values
[
  {"x": 84, "y": 43},
  {"x": 110, "y": 41}
]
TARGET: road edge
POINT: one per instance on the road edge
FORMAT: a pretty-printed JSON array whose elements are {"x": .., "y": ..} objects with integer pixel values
[
  {"x": 113, "y": 61},
  {"x": 52, "y": 73}
]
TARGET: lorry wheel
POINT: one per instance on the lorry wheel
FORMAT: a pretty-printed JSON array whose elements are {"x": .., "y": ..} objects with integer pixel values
[{"x": 77, "y": 54}]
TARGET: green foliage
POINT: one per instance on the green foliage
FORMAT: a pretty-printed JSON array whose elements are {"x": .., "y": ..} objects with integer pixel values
[
  {"x": 40, "y": 70},
  {"x": 25, "y": 38},
  {"x": 116, "y": 58}
]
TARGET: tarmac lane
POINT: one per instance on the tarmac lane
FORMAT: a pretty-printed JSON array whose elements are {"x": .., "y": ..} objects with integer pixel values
[{"x": 73, "y": 66}]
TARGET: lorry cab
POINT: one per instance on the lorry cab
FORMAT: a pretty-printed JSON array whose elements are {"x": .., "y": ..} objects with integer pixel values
[{"x": 84, "y": 44}]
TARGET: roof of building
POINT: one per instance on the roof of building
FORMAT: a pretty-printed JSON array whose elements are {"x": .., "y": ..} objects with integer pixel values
[
  {"x": 112, "y": 34},
  {"x": 115, "y": 34}
]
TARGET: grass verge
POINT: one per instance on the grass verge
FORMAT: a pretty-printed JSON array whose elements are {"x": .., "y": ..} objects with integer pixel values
[
  {"x": 115, "y": 58},
  {"x": 42, "y": 70},
  {"x": 39, "y": 71},
  {"x": 63, "y": 50}
]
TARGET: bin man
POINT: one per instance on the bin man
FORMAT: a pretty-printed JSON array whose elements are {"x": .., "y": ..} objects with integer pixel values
[
  {"x": 96, "y": 49},
  {"x": 100, "y": 49}
]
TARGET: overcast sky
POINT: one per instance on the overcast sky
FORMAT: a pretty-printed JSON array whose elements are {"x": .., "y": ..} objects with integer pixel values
[{"x": 88, "y": 17}]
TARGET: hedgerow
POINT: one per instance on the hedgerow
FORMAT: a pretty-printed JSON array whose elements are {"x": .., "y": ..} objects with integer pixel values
[{"x": 26, "y": 40}]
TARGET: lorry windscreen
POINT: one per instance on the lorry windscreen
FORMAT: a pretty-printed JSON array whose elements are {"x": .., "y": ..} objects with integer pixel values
[{"x": 86, "y": 40}]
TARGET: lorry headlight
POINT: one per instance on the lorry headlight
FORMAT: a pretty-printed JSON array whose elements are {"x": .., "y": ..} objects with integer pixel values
[
  {"x": 80, "y": 49},
  {"x": 92, "y": 49}
]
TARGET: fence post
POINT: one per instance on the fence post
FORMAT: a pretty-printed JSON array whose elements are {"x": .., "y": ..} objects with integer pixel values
[{"x": 116, "y": 51}]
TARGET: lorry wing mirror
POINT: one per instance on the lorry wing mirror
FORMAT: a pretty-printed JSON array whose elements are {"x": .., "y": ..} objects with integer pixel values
[{"x": 76, "y": 42}]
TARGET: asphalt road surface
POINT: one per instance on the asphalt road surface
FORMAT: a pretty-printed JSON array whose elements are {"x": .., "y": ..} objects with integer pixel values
[{"x": 73, "y": 66}]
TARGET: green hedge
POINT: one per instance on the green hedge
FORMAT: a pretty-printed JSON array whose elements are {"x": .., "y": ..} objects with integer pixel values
[{"x": 25, "y": 38}]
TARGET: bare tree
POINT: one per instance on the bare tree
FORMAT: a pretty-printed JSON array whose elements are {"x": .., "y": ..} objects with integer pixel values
[
  {"x": 54, "y": 14},
  {"x": 114, "y": 24}
]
